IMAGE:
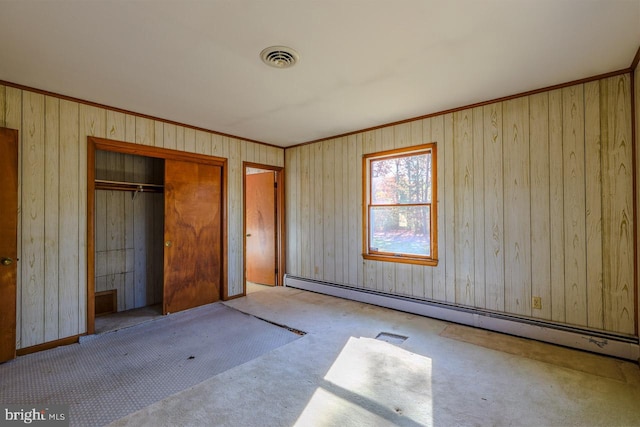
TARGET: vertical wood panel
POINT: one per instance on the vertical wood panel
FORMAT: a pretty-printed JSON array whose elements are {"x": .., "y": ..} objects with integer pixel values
[
  {"x": 328, "y": 221},
  {"x": 169, "y": 137},
  {"x": 145, "y": 130},
  {"x": 540, "y": 237},
  {"x": 180, "y": 138},
  {"x": 556, "y": 206},
  {"x": 463, "y": 208},
  {"x": 203, "y": 142},
  {"x": 140, "y": 254},
  {"x": 305, "y": 214},
  {"x": 158, "y": 133},
  {"x": 617, "y": 205},
  {"x": 292, "y": 200},
  {"x": 69, "y": 215},
  {"x": 494, "y": 207},
  {"x": 346, "y": 208},
  {"x": 478, "y": 207},
  {"x": 116, "y": 125},
  {"x": 189, "y": 140},
  {"x": 574, "y": 205},
  {"x": 235, "y": 248},
  {"x": 357, "y": 220},
  {"x": 33, "y": 254},
  {"x": 449, "y": 209},
  {"x": 318, "y": 211},
  {"x": 353, "y": 196},
  {"x": 51, "y": 209},
  {"x": 224, "y": 148},
  {"x": 339, "y": 207},
  {"x": 593, "y": 182},
  {"x": 517, "y": 207},
  {"x": 130, "y": 128}
]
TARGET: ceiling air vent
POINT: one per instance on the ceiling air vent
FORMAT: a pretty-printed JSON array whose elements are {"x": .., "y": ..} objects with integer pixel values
[{"x": 279, "y": 56}]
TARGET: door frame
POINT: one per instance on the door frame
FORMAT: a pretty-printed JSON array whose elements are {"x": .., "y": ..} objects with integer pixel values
[
  {"x": 280, "y": 218},
  {"x": 93, "y": 144}
]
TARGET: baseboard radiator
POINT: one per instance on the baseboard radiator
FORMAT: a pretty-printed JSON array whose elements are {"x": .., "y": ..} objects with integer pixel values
[{"x": 621, "y": 346}]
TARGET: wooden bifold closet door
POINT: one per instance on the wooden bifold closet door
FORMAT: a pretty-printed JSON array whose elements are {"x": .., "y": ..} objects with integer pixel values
[{"x": 192, "y": 234}]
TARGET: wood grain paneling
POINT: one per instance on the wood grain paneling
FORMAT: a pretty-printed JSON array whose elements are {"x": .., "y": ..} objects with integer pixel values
[
  {"x": 517, "y": 207},
  {"x": 52, "y": 188},
  {"x": 494, "y": 208},
  {"x": 540, "y": 234},
  {"x": 478, "y": 281},
  {"x": 69, "y": 216},
  {"x": 556, "y": 207},
  {"x": 126, "y": 234},
  {"x": 531, "y": 203},
  {"x": 463, "y": 208},
  {"x": 32, "y": 263},
  {"x": 51, "y": 212},
  {"x": 575, "y": 260},
  {"x": 593, "y": 184},
  {"x": 617, "y": 215}
]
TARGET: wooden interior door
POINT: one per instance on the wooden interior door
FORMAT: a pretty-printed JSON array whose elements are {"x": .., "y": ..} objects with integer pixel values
[
  {"x": 8, "y": 242},
  {"x": 261, "y": 239},
  {"x": 192, "y": 235}
]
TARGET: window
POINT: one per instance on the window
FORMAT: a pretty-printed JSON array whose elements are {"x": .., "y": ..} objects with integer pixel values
[{"x": 399, "y": 207}]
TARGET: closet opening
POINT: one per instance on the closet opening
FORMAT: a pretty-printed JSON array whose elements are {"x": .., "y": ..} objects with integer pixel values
[
  {"x": 156, "y": 232},
  {"x": 129, "y": 227}
]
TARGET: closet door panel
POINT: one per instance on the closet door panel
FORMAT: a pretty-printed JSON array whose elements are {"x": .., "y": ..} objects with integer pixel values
[{"x": 192, "y": 235}]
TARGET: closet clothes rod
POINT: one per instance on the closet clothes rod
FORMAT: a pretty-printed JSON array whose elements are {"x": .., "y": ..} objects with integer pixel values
[{"x": 102, "y": 184}]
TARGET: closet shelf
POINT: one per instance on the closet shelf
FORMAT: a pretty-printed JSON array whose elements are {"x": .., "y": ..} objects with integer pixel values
[{"x": 103, "y": 184}]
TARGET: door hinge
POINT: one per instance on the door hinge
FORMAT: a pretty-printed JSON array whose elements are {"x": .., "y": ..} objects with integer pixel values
[{"x": 275, "y": 185}]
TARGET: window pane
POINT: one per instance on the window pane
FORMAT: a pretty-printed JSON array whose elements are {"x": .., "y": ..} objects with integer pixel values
[
  {"x": 400, "y": 230},
  {"x": 401, "y": 180}
]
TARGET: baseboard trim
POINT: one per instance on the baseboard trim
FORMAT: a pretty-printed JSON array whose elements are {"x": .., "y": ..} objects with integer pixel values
[
  {"x": 48, "y": 345},
  {"x": 621, "y": 346}
]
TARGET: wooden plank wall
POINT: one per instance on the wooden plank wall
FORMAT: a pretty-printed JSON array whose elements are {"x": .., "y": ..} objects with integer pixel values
[
  {"x": 52, "y": 272},
  {"x": 535, "y": 199},
  {"x": 129, "y": 231}
]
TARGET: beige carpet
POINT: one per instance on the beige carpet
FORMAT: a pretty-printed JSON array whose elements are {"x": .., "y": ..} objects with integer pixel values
[
  {"x": 117, "y": 373},
  {"x": 338, "y": 374},
  {"x": 590, "y": 363}
]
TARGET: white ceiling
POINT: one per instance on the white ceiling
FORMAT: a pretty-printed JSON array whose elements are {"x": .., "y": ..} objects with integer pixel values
[{"x": 363, "y": 62}]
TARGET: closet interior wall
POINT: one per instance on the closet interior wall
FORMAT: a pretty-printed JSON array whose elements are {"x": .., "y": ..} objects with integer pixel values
[{"x": 129, "y": 230}]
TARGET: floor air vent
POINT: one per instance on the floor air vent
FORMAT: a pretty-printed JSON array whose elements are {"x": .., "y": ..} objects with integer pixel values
[{"x": 391, "y": 338}]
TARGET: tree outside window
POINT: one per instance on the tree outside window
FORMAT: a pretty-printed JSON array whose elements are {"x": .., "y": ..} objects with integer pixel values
[{"x": 400, "y": 216}]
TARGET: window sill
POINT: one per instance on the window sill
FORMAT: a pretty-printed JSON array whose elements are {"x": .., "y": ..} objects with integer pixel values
[{"x": 401, "y": 259}]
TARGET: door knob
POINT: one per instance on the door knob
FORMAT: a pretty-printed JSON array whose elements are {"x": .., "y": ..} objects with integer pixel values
[
  {"x": 7, "y": 261},
  {"x": 168, "y": 243}
]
